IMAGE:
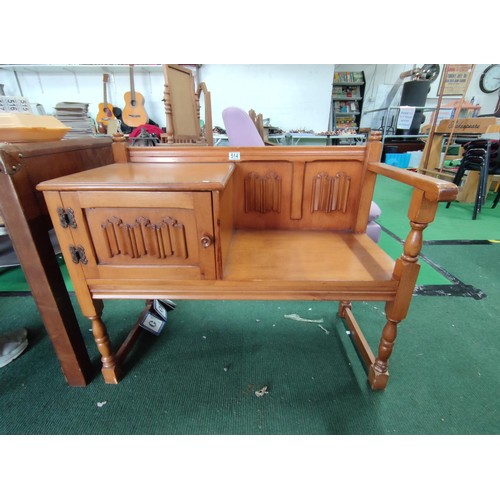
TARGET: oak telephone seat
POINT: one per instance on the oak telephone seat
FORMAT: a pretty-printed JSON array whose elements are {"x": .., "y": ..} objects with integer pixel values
[{"x": 242, "y": 223}]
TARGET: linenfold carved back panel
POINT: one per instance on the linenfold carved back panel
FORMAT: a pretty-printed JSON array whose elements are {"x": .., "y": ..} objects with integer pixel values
[{"x": 290, "y": 195}]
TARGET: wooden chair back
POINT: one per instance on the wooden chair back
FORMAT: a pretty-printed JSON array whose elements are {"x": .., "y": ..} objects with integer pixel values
[
  {"x": 259, "y": 122},
  {"x": 259, "y": 125},
  {"x": 207, "y": 131}
]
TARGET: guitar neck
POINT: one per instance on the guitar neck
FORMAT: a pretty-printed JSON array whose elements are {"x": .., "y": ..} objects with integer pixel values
[
  {"x": 105, "y": 94},
  {"x": 132, "y": 87}
]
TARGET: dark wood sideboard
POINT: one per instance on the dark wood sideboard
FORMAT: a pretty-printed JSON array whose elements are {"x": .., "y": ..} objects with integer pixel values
[{"x": 22, "y": 167}]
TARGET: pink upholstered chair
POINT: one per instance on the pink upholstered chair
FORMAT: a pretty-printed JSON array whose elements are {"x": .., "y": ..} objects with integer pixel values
[
  {"x": 240, "y": 129},
  {"x": 373, "y": 229}
]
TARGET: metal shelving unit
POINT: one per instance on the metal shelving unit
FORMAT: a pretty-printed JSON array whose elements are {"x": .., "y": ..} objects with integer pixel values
[{"x": 340, "y": 88}]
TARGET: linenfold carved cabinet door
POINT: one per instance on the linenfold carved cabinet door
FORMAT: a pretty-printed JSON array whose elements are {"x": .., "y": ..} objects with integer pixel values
[{"x": 142, "y": 235}]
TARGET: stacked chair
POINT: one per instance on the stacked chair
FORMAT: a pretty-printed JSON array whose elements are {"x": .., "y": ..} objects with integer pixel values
[
  {"x": 481, "y": 155},
  {"x": 495, "y": 201}
]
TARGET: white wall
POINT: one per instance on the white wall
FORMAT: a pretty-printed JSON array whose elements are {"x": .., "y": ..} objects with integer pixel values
[
  {"x": 50, "y": 85},
  {"x": 292, "y": 96}
]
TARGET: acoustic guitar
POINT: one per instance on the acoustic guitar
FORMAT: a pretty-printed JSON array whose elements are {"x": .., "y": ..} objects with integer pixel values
[
  {"x": 133, "y": 113},
  {"x": 105, "y": 112}
]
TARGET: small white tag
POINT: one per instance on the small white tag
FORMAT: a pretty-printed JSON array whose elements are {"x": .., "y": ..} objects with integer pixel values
[{"x": 235, "y": 155}]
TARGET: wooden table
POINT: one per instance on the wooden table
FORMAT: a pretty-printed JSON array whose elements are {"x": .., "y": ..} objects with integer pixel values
[{"x": 22, "y": 167}]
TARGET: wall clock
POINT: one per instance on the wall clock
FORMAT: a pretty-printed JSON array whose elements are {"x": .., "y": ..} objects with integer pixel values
[{"x": 490, "y": 79}]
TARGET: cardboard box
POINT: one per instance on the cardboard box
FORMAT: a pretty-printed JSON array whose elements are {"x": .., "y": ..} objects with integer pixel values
[{"x": 23, "y": 127}]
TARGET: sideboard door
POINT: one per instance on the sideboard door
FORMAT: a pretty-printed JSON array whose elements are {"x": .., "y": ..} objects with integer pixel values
[{"x": 142, "y": 235}]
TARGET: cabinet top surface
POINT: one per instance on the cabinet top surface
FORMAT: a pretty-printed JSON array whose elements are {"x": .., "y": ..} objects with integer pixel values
[{"x": 145, "y": 177}]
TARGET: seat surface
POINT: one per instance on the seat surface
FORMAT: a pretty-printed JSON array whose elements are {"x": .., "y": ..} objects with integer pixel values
[{"x": 306, "y": 256}]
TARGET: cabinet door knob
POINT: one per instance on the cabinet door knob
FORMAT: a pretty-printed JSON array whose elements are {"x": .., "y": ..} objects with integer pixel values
[{"x": 206, "y": 240}]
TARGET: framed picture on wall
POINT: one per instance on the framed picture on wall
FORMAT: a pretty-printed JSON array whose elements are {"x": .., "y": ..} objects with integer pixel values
[{"x": 455, "y": 79}]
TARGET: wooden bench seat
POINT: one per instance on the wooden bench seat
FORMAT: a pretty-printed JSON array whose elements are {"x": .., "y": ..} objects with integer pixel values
[{"x": 281, "y": 223}]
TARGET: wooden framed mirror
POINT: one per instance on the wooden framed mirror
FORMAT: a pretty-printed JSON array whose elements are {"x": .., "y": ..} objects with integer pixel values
[{"x": 182, "y": 107}]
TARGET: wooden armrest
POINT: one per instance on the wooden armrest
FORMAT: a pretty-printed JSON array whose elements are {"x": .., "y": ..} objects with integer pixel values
[{"x": 435, "y": 189}]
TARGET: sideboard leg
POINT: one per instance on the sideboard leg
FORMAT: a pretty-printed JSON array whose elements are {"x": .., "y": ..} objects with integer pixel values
[{"x": 110, "y": 368}]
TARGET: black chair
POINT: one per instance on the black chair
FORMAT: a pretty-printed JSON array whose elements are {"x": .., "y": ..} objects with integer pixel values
[
  {"x": 481, "y": 155},
  {"x": 497, "y": 198}
]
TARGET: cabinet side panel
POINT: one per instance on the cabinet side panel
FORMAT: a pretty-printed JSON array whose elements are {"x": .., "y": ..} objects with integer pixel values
[
  {"x": 67, "y": 239},
  {"x": 223, "y": 214}
]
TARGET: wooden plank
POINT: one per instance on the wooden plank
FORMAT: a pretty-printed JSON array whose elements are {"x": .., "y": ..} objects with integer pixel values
[
  {"x": 132, "y": 337},
  {"x": 466, "y": 125},
  {"x": 147, "y": 176},
  {"x": 298, "y": 172},
  {"x": 222, "y": 290},
  {"x": 358, "y": 337},
  {"x": 94, "y": 199},
  {"x": 190, "y": 154}
]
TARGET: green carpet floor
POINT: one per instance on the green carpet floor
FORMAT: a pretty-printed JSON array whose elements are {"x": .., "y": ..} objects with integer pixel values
[
  {"x": 201, "y": 374},
  {"x": 453, "y": 223}
]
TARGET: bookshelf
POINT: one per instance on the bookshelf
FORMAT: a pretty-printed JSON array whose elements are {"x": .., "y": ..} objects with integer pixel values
[{"x": 346, "y": 102}]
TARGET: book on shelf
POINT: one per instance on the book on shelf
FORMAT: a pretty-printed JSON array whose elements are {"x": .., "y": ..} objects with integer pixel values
[
  {"x": 348, "y": 77},
  {"x": 345, "y": 92},
  {"x": 346, "y": 106},
  {"x": 76, "y": 116}
]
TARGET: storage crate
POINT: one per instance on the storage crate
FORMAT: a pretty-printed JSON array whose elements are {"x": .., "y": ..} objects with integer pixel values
[{"x": 400, "y": 160}]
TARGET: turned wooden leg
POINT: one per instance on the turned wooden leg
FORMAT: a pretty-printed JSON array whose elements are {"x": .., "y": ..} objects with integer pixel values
[
  {"x": 110, "y": 369},
  {"x": 421, "y": 212},
  {"x": 378, "y": 374}
]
